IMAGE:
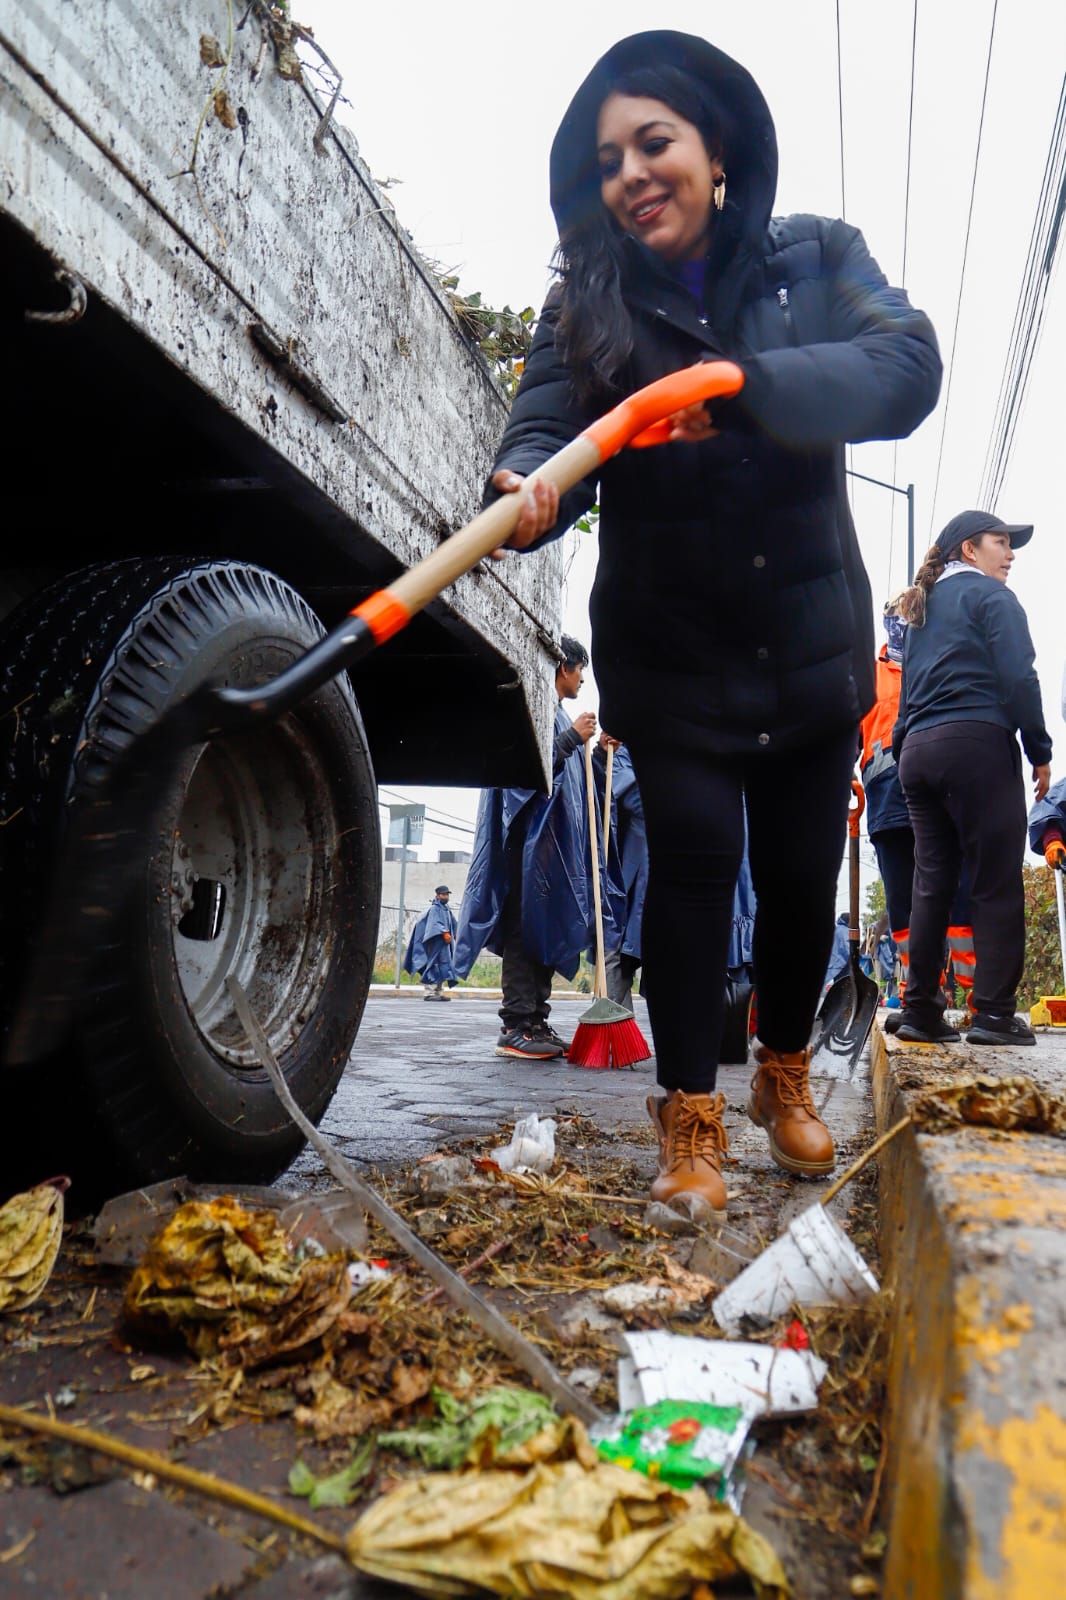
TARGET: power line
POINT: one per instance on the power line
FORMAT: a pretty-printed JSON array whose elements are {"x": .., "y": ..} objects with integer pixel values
[
  {"x": 438, "y": 818},
  {"x": 903, "y": 275},
  {"x": 840, "y": 117},
  {"x": 962, "y": 275},
  {"x": 1029, "y": 311}
]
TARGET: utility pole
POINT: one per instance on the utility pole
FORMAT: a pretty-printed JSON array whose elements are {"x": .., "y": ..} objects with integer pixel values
[
  {"x": 405, "y": 828},
  {"x": 908, "y": 493}
]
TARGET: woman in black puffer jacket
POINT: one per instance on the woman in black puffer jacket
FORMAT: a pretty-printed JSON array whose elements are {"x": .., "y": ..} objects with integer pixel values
[{"x": 732, "y": 618}]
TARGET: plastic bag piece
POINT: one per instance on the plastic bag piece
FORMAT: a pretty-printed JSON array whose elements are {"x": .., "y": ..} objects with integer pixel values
[
  {"x": 532, "y": 1146},
  {"x": 813, "y": 1263},
  {"x": 762, "y": 1379}
]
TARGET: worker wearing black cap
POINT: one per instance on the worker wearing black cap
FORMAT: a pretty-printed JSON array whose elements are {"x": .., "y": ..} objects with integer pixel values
[{"x": 969, "y": 687}]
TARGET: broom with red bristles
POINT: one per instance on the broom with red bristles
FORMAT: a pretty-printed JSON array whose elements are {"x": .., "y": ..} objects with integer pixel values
[{"x": 607, "y": 1034}]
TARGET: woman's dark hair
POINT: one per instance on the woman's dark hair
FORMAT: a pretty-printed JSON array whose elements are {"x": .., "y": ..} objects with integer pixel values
[
  {"x": 595, "y": 331},
  {"x": 912, "y": 601}
]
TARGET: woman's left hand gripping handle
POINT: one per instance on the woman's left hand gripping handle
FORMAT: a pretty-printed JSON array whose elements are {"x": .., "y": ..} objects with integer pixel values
[{"x": 539, "y": 513}]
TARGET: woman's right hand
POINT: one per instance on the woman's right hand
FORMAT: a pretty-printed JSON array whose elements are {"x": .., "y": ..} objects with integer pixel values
[
  {"x": 539, "y": 513},
  {"x": 1041, "y": 782}
]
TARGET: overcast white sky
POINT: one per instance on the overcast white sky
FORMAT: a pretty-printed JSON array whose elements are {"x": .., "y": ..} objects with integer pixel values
[{"x": 461, "y": 103}]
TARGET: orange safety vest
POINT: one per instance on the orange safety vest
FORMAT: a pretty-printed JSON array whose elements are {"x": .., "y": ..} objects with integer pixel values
[{"x": 877, "y": 725}]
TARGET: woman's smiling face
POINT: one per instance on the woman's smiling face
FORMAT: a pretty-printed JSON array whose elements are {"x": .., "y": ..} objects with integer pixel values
[{"x": 656, "y": 178}]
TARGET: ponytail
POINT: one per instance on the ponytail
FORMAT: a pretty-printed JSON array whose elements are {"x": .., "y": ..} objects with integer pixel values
[{"x": 912, "y": 601}]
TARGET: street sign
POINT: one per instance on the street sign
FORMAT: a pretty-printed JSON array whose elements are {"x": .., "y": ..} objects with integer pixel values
[{"x": 405, "y": 823}]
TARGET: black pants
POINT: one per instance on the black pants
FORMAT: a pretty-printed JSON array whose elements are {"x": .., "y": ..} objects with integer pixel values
[
  {"x": 526, "y": 982},
  {"x": 966, "y": 801},
  {"x": 895, "y": 860},
  {"x": 694, "y": 807}
]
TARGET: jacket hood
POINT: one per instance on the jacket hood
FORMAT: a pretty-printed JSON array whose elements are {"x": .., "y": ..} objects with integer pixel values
[{"x": 750, "y": 158}]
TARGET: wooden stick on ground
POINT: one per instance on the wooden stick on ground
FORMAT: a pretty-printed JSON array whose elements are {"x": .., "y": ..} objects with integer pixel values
[
  {"x": 230, "y": 1494},
  {"x": 857, "y": 1166}
]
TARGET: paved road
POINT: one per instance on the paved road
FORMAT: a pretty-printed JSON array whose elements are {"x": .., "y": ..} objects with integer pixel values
[{"x": 423, "y": 1074}]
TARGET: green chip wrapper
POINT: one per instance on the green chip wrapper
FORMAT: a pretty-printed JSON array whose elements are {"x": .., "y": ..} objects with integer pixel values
[{"x": 683, "y": 1442}]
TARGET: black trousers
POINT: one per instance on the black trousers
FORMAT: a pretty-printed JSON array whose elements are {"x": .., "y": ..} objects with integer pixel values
[
  {"x": 963, "y": 784},
  {"x": 895, "y": 859},
  {"x": 694, "y": 806},
  {"x": 526, "y": 982}
]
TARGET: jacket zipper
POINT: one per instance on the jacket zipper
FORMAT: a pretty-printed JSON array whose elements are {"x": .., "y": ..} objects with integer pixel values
[{"x": 782, "y": 300}]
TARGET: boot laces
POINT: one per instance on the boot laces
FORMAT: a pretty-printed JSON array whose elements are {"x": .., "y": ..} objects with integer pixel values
[
  {"x": 699, "y": 1132},
  {"x": 791, "y": 1083}
]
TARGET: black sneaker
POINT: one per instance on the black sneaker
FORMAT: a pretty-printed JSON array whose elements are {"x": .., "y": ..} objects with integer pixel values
[
  {"x": 933, "y": 1030},
  {"x": 523, "y": 1042},
  {"x": 544, "y": 1030},
  {"x": 892, "y": 1021},
  {"x": 986, "y": 1029}
]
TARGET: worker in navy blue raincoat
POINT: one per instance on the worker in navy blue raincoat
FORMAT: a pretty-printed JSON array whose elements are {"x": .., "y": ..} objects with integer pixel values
[
  {"x": 431, "y": 947},
  {"x": 528, "y": 896},
  {"x": 1047, "y": 826}
]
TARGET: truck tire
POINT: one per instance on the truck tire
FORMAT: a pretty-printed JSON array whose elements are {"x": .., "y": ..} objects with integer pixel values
[{"x": 270, "y": 868}]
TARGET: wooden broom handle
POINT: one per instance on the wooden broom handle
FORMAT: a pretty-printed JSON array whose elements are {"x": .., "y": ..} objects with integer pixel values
[
  {"x": 607, "y": 808},
  {"x": 600, "y": 982}
]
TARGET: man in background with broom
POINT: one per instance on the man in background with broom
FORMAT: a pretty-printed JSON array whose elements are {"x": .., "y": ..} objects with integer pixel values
[{"x": 527, "y": 896}]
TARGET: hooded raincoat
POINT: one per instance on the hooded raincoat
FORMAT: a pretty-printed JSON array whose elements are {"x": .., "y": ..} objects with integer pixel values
[
  {"x": 429, "y": 952},
  {"x": 731, "y": 610}
]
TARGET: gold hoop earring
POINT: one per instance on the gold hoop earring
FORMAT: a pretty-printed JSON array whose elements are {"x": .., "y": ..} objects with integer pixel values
[{"x": 718, "y": 191}]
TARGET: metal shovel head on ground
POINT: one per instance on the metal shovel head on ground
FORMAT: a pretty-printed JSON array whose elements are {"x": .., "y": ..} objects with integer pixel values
[
  {"x": 846, "y": 1015},
  {"x": 113, "y": 817}
]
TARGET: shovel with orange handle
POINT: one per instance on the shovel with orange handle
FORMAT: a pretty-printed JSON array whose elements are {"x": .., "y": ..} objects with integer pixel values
[{"x": 111, "y": 823}]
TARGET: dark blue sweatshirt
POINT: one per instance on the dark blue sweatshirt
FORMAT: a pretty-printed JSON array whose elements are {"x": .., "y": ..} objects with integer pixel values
[{"x": 972, "y": 662}]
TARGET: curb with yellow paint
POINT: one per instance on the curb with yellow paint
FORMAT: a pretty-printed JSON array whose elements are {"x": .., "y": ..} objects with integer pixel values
[{"x": 973, "y": 1229}]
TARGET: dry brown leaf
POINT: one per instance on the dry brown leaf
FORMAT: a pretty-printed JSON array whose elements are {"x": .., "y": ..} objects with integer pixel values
[
  {"x": 1009, "y": 1104},
  {"x": 211, "y": 51},
  {"x": 224, "y": 109},
  {"x": 31, "y": 1231}
]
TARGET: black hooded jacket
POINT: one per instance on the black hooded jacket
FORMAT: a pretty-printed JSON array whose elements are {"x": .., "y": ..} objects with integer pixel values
[{"x": 731, "y": 610}]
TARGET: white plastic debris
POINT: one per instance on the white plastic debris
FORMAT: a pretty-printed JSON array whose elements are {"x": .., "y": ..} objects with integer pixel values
[
  {"x": 532, "y": 1146},
  {"x": 624, "y": 1298},
  {"x": 360, "y": 1272},
  {"x": 764, "y": 1380},
  {"x": 813, "y": 1263}
]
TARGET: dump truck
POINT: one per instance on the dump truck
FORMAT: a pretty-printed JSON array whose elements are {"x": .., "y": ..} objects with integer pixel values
[{"x": 239, "y": 401}]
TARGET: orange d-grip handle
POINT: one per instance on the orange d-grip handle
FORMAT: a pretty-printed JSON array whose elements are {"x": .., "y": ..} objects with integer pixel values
[
  {"x": 643, "y": 418},
  {"x": 856, "y": 811}
]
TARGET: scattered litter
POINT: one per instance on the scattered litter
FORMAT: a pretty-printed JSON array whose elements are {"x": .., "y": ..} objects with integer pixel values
[
  {"x": 66, "y": 1397},
  {"x": 480, "y": 1431},
  {"x": 436, "y": 1180},
  {"x": 363, "y": 1272},
  {"x": 564, "y": 1529},
  {"x": 813, "y": 1263},
  {"x": 587, "y": 1378},
  {"x": 532, "y": 1146},
  {"x": 672, "y": 1291},
  {"x": 325, "y": 1224},
  {"x": 227, "y": 1280},
  {"x": 1014, "y": 1104},
  {"x": 31, "y": 1231},
  {"x": 763, "y": 1380},
  {"x": 665, "y": 1219},
  {"x": 681, "y": 1442},
  {"x": 722, "y": 1254}
]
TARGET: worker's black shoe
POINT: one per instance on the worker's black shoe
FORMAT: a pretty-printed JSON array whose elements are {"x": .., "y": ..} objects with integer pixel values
[
  {"x": 923, "y": 1029},
  {"x": 986, "y": 1029},
  {"x": 524, "y": 1043},
  {"x": 892, "y": 1021},
  {"x": 544, "y": 1030}
]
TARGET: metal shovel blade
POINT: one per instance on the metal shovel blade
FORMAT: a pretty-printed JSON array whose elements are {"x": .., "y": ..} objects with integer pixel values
[
  {"x": 846, "y": 1014},
  {"x": 846, "y": 1017}
]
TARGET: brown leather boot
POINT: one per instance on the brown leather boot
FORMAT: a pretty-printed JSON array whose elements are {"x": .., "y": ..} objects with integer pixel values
[
  {"x": 781, "y": 1103},
  {"x": 692, "y": 1140}
]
